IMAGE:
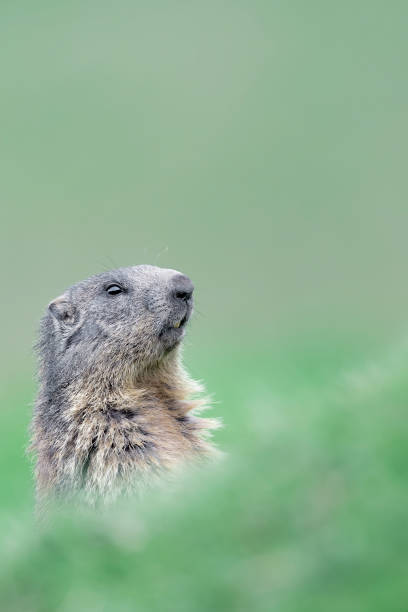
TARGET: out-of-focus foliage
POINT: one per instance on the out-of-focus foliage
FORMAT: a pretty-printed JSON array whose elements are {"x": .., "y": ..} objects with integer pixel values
[{"x": 307, "y": 511}]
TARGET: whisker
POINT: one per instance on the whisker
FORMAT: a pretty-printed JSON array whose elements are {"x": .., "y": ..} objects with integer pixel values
[{"x": 160, "y": 253}]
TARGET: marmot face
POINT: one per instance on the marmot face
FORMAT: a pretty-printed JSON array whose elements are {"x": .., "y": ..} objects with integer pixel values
[{"x": 132, "y": 316}]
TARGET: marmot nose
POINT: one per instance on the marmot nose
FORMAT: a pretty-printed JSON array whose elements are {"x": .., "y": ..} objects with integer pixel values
[{"x": 182, "y": 288}]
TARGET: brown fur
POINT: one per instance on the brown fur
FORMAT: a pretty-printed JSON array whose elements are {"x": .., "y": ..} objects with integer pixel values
[
  {"x": 116, "y": 425},
  {"x": 117, "y": 440}
]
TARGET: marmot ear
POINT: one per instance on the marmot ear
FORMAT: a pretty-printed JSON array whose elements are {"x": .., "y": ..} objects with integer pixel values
[{"x": 63, "y": 310}]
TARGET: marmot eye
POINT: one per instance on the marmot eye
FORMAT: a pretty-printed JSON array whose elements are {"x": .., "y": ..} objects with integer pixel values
[{"x": 114, "y": 289}]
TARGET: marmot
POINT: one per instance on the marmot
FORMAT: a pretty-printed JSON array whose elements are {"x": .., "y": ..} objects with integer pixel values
[{"x": 115, "y": 406}]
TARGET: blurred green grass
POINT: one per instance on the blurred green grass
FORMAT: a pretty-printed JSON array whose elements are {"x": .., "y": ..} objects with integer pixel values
[{"x": 306, "y": 512}]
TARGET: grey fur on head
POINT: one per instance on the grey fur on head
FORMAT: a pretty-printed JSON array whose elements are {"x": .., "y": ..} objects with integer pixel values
[{"x": 115, "y": 406}]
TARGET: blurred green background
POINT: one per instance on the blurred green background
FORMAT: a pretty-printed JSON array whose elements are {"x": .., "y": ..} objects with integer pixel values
[{"x": 260, "y": 147}]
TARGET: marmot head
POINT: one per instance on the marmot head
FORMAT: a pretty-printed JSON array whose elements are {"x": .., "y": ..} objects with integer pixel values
[{"x": 125, "y": 320}]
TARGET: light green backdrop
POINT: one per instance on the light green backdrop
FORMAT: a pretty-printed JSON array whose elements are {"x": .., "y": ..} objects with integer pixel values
[{"x": 259, "y": 146}]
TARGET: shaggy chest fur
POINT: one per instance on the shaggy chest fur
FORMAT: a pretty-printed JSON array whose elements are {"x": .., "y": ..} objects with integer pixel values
[{"x": 105, "y": 447}]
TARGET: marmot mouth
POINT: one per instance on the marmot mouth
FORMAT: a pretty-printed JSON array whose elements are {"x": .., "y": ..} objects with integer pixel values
[
  {"x": 179, "y": 324},
  {"x": 175, "y": 329}
]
